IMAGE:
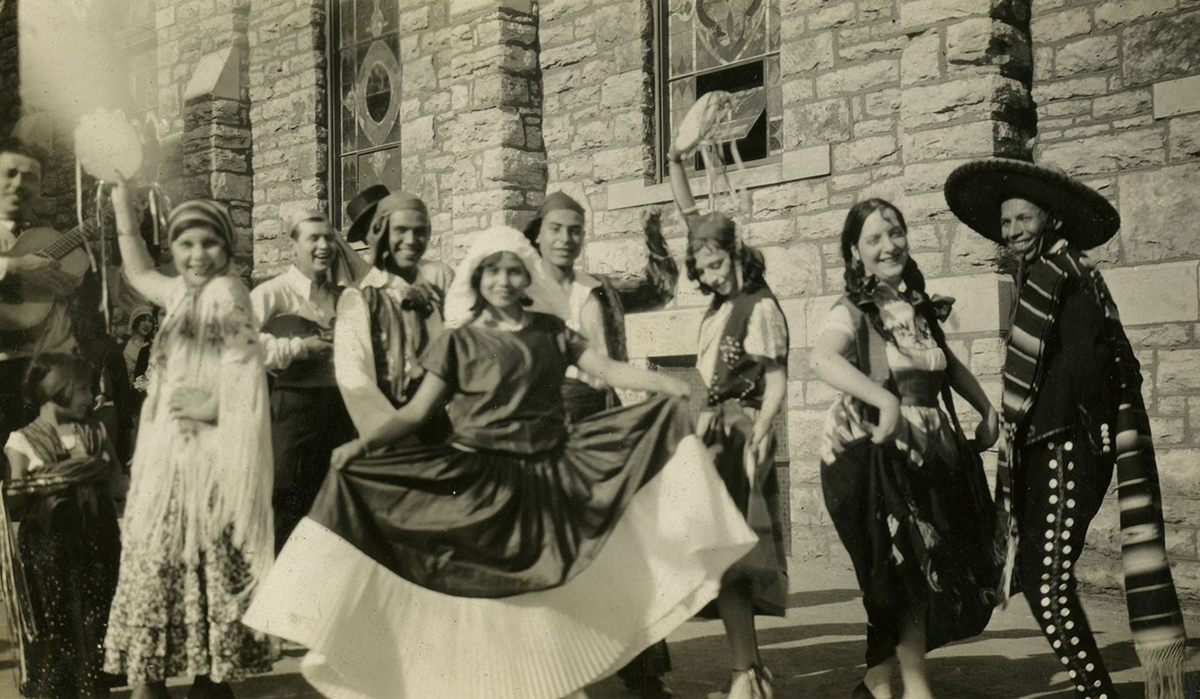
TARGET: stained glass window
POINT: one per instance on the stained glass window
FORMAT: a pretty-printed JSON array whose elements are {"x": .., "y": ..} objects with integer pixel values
[
  {"x": 364, "y": 129},
  {"x": 730, "y": 45}
]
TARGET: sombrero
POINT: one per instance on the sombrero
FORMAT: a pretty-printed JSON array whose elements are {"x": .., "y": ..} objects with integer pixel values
[
  {"x": 976, "y": 190},
  {"x": 361, "y": 210}
]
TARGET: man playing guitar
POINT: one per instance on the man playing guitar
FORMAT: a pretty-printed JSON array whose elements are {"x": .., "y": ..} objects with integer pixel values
[
  {"x": 20, "y": 187},
  {"x": 308, "y": 417}
]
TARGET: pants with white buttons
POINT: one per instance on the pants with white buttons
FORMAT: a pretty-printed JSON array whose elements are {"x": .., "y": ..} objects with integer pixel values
[{"x": 1061, "y": 484}]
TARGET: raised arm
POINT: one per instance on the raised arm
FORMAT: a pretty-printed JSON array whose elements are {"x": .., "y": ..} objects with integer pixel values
[
  {"x": 829, "y": 363},
  {"x": 138, "y": 265},
  {"x": 622, "y": 375},
  {"x": 431, "y": 396},
  {"x": 681, "y": 189},
  {"x": 654, "y": 287}
]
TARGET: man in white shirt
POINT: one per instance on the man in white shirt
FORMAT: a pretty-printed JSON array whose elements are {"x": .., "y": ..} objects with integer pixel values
[
  {"x": 20, "y": 187},
  {"x": 386, "y": 322},
  {"x": 308, "y": 417}
]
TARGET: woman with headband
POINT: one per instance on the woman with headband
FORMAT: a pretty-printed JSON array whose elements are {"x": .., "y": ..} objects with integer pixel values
[
  {"x": 743, "y": 359},
  {"x": 522, "y": 559},
  {"x": 197, "y": 536}
]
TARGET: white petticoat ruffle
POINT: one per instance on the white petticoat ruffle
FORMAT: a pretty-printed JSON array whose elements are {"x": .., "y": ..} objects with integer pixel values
[{"x": 373, "y": 634}]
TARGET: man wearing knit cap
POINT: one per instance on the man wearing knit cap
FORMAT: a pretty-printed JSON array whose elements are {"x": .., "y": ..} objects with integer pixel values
[
  {"x": 597, "y": 305},
  {"x": 1073, "y": 410},
  {"x": 385, "y": 322},
  {"x": 308, "y": 418}
]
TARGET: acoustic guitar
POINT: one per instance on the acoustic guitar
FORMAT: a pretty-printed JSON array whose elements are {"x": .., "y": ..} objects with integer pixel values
[{"x": 21, "y": 306}]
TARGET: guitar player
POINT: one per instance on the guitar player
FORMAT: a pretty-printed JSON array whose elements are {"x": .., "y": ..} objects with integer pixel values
[
  {"x": 20, "y": 187},
  {"x": 308, "y": 417}
]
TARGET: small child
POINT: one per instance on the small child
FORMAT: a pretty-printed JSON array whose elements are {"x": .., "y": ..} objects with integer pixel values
[{"x": 63, "y": 474}]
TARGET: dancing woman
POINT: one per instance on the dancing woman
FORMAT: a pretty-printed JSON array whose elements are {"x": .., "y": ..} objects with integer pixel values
[
  {"x": 520, "y": 560},
  {"x": 197, "y": 531},
  {"x": 743, "y": 361},
  {"x": 908, "y": 500}
]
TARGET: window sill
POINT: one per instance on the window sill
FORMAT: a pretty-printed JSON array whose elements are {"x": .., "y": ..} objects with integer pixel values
[{"x": 800, "y": 164}]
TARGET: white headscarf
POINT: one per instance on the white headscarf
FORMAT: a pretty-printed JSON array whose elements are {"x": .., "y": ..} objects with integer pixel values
[{"x": 547, "y": 297}]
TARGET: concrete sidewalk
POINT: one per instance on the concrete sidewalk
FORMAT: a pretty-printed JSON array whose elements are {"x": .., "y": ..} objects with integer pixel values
[{"x": 817, "y": 651}]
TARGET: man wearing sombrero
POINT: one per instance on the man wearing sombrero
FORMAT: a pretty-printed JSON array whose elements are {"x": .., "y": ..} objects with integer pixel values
[
  {"x": 385, "y": 321},
  {"x": 1072, "y": 409}
]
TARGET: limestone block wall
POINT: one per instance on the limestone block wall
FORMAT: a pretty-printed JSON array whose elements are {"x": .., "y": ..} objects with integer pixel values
[
  {"x": 471, "y": 126},
  {"x": 1117, "y": 86},
  {"x": 288, "y": 113},
  {"x": 880, "y": 98}
]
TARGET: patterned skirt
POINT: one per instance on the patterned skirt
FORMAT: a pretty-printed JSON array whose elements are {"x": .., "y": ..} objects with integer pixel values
[{"x": 172, "y": 617}]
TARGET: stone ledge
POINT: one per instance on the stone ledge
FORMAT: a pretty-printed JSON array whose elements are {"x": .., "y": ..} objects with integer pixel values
[
  {"x": 217, "y": 75},
  {"x": 982, "y": 306},
  {"x": 796, "y": 164},
  {"x": 1156, "y": 293},
  {"x": 1175, "y": 97}
]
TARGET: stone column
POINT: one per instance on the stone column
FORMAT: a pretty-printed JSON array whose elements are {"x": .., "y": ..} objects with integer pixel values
[
  {"x": 480, "y": 161},
  {"x": 215, "y": 148},
  {"x": 965, "y": 75}
]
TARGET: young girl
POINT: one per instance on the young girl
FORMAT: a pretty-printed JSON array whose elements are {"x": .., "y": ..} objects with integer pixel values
[
  {"x": 909, "y": 503},
  {"x": 64, "y": 472},
  {"x": 521, "y": 560},
  {"x": 743, "y": 360},
  {"x": 198, "y": 533}
]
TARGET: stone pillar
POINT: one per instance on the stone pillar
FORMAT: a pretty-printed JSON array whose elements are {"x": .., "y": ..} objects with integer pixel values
[
  {"x": 480, "y": 161},
  {"x": 965, "y": 77},
  {"x": 288, "y": 112},
  {"x": 215, "y": 148}
]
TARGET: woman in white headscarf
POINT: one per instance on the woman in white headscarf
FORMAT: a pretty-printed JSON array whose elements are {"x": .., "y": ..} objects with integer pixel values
[{"x": 520, "y": 560}]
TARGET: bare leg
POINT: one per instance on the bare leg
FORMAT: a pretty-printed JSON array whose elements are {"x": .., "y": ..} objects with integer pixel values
[
  {"x": 878, "y": 679},
  {"x": 737, "y": 613},
  {"x": 911, "y": 654}
]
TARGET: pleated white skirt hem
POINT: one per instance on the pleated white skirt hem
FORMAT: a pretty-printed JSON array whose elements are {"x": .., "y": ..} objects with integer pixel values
[{"x": 374, "y": 635}]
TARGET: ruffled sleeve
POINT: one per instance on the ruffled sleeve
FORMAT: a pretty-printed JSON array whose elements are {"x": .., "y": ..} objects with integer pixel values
[{"x": 767, "y": 333}]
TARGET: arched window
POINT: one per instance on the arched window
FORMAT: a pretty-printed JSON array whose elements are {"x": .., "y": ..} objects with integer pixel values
[{"x": 364, "y": 90}]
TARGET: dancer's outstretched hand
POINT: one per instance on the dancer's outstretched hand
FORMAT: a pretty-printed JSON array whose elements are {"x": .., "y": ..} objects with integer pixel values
[
  {"x": 889, "y": 420},
  {"x": 988, "y": 431},
  {"x": 346, "y": 453},
  {"x": 672, "y": 386}
]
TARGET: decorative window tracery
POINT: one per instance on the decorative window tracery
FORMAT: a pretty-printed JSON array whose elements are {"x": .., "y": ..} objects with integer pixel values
[{"x": 364, "y": 133}]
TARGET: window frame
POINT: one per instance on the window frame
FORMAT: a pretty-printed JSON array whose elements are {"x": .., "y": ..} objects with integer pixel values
[{"x": 662, "y": 80}]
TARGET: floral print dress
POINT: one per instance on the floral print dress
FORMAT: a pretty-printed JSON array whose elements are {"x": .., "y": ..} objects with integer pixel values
[{"x": 198, "y": 533}]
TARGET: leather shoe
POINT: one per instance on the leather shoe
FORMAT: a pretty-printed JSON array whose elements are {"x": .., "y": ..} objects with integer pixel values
[{"x": 649, "y": 687}]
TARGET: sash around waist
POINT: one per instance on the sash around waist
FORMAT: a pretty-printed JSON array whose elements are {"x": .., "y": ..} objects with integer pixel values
[{"x": 918, "y": 388}]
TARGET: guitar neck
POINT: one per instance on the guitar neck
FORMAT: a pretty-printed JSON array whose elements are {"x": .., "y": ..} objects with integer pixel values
[{"x": 69, "y": 241}]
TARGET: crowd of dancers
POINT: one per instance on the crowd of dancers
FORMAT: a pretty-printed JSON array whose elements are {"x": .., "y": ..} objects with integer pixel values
[{"x": 440, "y": 494}]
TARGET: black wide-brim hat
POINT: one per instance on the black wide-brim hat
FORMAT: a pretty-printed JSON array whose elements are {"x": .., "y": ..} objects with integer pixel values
[
  {"x": 361, "y": 210},
  {"x": 976, "y": 190}
]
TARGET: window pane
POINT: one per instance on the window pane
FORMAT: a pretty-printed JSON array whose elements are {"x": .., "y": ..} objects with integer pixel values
[
  {"x": 381, "y": 167},
  {"x": 726, "y": 32},
  {"x": 349, "y": 186},
  {"x": 346, "y": 22}
]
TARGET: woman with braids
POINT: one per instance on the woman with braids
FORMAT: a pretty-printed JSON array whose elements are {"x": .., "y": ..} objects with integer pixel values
[
  {"x": 742, "y": 358},
  {"x": 197, "y": 532},
  {"x": 907, "y": 496}
]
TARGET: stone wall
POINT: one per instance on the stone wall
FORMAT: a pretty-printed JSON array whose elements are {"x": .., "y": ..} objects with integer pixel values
[
  {"x": 880, "y": 98},
  {"x": 289, "y": 118},
  {"x": 1117, "y": 86}
]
